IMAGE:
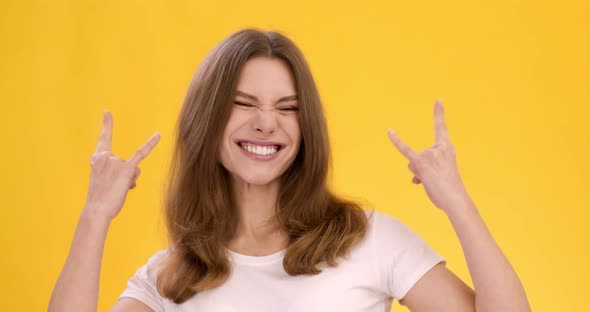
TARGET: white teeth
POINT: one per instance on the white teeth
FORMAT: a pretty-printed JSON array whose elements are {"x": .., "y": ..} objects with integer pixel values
[{"x": 260, "y": 150}]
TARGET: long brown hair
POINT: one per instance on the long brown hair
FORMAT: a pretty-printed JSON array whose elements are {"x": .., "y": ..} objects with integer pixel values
[{"x": 201, "y": 216}]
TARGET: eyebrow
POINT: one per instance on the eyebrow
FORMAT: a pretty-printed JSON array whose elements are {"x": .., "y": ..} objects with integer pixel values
[{"x": 252, "y": 97}]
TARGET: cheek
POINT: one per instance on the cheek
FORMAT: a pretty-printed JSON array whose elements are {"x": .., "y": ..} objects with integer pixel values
[
  {"x": 293, "y": 130},
  {"x": 226, "y": 140},
  {"x": 235, "y": 121}
]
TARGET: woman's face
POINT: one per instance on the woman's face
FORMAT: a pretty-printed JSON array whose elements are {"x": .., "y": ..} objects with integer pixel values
[{"x": 262, "y": 136}]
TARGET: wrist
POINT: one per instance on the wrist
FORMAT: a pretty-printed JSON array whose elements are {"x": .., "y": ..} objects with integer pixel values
[
  {"x": 91, "y": 213},
  {"x": 463, "y": 208}
]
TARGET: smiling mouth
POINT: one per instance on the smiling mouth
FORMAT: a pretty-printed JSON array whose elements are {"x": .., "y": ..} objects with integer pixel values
[{"x": 262, "y": 150}]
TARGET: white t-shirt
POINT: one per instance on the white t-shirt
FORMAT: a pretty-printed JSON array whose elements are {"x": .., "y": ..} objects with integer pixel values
[{"x": 381, "y": 267}]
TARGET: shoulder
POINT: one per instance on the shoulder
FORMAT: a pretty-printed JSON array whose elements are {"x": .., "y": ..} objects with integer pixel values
[
  {"x": 142, "y": 285},
  {"x": 159, "y": 255},
  {"x": 402, "y": 255},
  {"x": 387, "y": 226},
  {"x": 151, "y": 267},
  {"x": 392, "y": 236}
]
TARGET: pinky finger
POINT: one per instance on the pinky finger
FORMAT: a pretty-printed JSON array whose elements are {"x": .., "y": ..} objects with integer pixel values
[
  {"x": 142, "y": 152},
  {"x": 402, "y": 147}
]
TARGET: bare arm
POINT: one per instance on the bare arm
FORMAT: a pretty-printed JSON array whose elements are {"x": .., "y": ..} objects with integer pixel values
[
  {"x": 497, "y": 287},
  {"x": 111, "y": 179},
  {"x": 77, "y": 286}
]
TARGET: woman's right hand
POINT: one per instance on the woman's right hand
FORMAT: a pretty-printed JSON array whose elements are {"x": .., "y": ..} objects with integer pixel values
[{"x": 112, "y": 177}]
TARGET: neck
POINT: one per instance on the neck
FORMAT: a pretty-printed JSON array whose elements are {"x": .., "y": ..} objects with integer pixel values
[
  {"x": 257, "y": 233},
  {"x": 256, "y": 206}
]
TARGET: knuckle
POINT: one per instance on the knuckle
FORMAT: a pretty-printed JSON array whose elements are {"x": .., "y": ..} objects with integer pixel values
[
  {"x": 423, "y": 155},
  {"x": 103, "y": 155},
  {"x": 418, "y": 164},
  {"x": 448, "y": 149},
  {"x": 128, "y": 170},
  {"x": 99, "y": 158}
]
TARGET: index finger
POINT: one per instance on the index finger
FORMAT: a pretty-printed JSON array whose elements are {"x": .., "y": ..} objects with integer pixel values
[
  {"x": 143, "y": 151},
  {"x": 440, "y": 127},
  {"x": 106, "y": 136}
]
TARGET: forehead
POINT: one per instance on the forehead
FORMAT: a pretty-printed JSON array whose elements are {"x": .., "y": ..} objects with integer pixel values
[{"x": 264, "y": 76}]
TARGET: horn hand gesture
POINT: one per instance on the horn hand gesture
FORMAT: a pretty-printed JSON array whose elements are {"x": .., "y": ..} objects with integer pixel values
[
  {"x": 112, "y": 177},
  {"x": 436, "y": 167}
]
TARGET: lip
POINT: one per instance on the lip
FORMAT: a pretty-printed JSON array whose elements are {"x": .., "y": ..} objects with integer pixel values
[{"x": 256, "y": 156}]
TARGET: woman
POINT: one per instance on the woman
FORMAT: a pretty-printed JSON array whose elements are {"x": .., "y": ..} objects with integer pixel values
[{"x": 252, "y": 225}]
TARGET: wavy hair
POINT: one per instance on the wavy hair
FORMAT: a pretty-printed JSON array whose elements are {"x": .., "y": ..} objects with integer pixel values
[{"x": 200, "y": 214}]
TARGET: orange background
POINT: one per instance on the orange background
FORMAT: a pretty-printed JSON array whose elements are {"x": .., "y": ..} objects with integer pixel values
[{"x": 513, "y": 77}]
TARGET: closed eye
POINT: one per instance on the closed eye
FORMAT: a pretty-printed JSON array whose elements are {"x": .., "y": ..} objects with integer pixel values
[
  {"x": 243, "y": 104},
  {"x": 291, "y": 108}
]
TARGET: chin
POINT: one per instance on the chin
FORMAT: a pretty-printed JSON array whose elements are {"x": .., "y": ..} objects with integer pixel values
[{"x": 257, "y": 179}]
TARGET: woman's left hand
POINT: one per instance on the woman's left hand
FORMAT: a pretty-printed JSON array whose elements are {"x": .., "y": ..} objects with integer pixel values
[{"x": 436, "y": 167}]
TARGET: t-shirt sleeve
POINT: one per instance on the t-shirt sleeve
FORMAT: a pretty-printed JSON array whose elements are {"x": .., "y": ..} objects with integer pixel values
[
  {"x": 142, "y": 285},
  {"x": 403, "y": 256}
]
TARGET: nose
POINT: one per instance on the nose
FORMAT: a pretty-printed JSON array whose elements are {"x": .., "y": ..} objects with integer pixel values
[{"x": 265, "y": 121}]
